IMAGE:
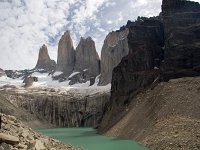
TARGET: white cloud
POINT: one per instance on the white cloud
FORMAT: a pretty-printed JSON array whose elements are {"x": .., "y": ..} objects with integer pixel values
[
  {"x": 27, "y": 24},
  {"x": 109, "y": 22}
]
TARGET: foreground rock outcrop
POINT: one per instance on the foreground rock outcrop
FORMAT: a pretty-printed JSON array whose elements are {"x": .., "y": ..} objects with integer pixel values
[
  {"x": 87, "y": 57},
  {"x": 66, "y": 54},
  {"x": 14, "y": 135},
  {"x": 114, "y": 49},
  {"x": 44, "y": 61}
]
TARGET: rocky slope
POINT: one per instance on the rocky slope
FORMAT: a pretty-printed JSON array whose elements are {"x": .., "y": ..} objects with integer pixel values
[
  {"x": 164, "y": 117},
  {"x": 114, "y": 49},
  {"x": 87, "y": 57},
  {"x": 44, "y": 61},
  {"x": 66, "y": 54},
  {"x": 58, "y": 107},
  {"x": 16, "y": 136}
]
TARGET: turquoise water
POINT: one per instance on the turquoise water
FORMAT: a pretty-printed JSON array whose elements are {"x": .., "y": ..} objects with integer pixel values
[{"x": 89, "y": 140}]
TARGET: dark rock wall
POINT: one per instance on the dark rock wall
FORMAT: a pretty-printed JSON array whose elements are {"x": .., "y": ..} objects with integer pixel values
[
  {"x": 182, "y": 35},
  {"x": 138, "y": 69},
  {"x": 159, "y": 49}
]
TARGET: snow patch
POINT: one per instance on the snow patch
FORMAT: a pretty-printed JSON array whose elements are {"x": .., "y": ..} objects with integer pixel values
[
  {"x": 57, "y": 73},
  {"x": 73, "y": 74},
  {"x": 45, "y": 81}
]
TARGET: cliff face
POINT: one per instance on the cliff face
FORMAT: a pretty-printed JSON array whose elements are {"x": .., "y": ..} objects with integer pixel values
[
  {"x": 66, "y": 54},
  {"x": 170, "y": 7},
  {"x": 137, "y": 69},
  {"x": 87, "y": 57},
  {"x": 59, "y": 108},
  {"x": 160, "y": 48},
  {"x": 114, "y": 49},
  {"x": 182, "y": 28},
  {"x": 44, "y": 61}
]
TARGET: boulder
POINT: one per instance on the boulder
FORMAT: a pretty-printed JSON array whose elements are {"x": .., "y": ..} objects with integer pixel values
[
  {"x": 9, "y": 139},
  {"x": 44, "y": 61},
  {"x": 92, "y": 81},
  {"x": 66, "y": 54},
  {"x": 87, "y": 57},
  {"x": 39, "y": 145},
  {"x": 115, "y": 47},
  {"x": 29, "y": 81}
]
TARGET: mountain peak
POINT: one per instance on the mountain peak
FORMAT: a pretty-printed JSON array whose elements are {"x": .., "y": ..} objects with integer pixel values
[{"x": 44, "y": 61}]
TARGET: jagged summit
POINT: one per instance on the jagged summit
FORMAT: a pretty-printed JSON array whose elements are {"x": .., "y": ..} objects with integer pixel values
[
  {"x": 66, "y": 54},
  {"x": 87, "y": 57},
  {"x": 44, "y": 61}
]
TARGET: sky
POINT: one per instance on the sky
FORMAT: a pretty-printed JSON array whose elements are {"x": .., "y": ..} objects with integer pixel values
[{"x": 25, "y": 25}]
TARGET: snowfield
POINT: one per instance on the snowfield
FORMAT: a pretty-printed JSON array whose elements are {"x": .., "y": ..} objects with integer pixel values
[{"x": 46, "y": 81}]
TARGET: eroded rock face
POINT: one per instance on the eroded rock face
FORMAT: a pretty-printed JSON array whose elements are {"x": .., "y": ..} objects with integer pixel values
[
  {"x": 182, "y": 31},
  {"x": 87, "y": 57},
  {"x": 114, "y": 49},
  {"x": 136, "y": 70},
  {"x": 62, "y": 109},
  {"x": 44, "y": 61},
  {"x": 66, "y": 54}
]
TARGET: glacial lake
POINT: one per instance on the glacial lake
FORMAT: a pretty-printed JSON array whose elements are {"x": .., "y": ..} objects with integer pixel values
[{"x": 89, "y": 140}]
